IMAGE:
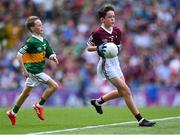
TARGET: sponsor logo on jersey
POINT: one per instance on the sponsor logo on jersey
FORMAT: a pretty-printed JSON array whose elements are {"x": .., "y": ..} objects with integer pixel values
[
  {"x": 39, "y": 48},
  {"x": 44, "y": 45}
]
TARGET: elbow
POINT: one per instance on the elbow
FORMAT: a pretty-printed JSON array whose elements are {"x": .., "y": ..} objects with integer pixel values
[
  {"x": 88, "y": 49},
  {"x": 17, "y": 56}
]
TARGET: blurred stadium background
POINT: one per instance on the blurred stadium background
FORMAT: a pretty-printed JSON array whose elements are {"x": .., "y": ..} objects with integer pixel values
[{"x": 150, "y": 58}]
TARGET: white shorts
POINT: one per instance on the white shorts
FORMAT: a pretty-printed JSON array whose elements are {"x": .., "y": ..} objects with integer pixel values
[
  {"x": 109, "y": 68},
  {"x": 35, "y": 79}
]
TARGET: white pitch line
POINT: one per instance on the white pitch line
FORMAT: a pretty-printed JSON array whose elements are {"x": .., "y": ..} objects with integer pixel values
[{"x": 105, "y": 125}]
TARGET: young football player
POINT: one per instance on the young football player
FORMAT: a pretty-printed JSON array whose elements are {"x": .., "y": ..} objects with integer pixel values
[
  {"x": 31, "y": 57},
  {"x": 110, "y": 68}
]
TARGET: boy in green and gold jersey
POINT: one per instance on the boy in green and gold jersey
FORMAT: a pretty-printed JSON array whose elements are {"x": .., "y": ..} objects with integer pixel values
[{"x": 31, "y": 57}]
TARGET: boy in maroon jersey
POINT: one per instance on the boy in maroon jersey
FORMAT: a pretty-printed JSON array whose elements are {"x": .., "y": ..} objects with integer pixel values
[{"x": 110, "y": 68}]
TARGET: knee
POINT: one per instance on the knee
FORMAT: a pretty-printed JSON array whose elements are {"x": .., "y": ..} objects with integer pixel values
[
  {"x": 126, "y": 92},
  {"x": 119, "y": 94},
  {"x": 54, "y": 86}
]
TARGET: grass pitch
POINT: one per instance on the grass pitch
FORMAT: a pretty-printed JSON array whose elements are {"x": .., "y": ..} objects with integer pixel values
[{"x": 86, "y": 121}]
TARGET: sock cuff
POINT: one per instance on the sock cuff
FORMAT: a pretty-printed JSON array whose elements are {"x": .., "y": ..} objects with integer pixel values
[
  {"x": 42, "y": 101},
  {"x": 102, "y": 99},
  {"x": 13, "y": 113},
  {"x": 38, "y": 105},
  {"x": 97, "y": 103},
  {"x": 141, "y": 120}
]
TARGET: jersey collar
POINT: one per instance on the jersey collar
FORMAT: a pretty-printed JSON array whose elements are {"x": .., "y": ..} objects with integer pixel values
[
  {"x": 38, "y": 37},
  {"x": 108, "y": 31}
]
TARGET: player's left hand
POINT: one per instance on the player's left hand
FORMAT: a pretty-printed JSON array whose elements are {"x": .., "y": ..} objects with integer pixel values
[{"x": 55, "y": 60}]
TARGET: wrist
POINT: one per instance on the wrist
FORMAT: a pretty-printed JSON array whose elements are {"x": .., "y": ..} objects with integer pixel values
[{"x": 52, "y": 56}]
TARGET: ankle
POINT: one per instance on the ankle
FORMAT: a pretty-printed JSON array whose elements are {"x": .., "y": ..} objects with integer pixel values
[
  {"x": 97, "y": 103},
  {"x": 12, "y": 113},
  {"x": 100, "y": 101},
  {"x": 38, "y": 105},
  {"x": 141, "y": 120},
  {"x": 138, "y": 117}
]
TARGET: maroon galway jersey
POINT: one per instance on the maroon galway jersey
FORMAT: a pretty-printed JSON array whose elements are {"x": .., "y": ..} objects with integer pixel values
[{"x": 102, "y": 36}]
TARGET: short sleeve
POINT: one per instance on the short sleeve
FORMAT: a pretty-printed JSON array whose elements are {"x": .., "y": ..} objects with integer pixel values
[
  {"x": 118, "y": 39},
  {"x": 25, "y": 47},
  {"x": 49, "y": 50},
  {"x": 91, "y": 40}
]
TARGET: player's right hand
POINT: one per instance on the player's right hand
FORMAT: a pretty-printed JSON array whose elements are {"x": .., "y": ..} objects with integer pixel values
[{"x": 101, "y": 50}]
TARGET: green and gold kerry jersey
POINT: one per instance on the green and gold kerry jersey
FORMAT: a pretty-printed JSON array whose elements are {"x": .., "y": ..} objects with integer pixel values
[{"x": 34, "y": 52}]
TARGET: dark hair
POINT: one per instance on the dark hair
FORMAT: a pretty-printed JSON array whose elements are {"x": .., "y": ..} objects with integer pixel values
[
  {"x": 102, "y": 12},
  {"x": 30, "y": 22}
]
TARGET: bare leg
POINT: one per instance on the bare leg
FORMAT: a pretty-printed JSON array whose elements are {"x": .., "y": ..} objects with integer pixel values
[
  {"x": 23, "y": 96},
  {"x": 52, "y": 86},
  {"x": 126, "y": 93},
  {"x": 38, "y": 107},
  {"x": 111, "y": 95},
  {"x": 20, "y": 100}
]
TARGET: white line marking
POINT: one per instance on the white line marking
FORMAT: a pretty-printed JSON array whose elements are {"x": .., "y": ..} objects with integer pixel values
[{"x": 105, "y": 125}]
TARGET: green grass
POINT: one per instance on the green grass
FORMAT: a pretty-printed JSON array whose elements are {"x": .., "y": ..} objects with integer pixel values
[{"x": 65, "y": 118}]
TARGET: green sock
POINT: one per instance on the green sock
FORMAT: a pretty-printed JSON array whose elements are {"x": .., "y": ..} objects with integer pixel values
[
  {"x": 15, "y": 109},
  {"x": 42, "y": 101}
]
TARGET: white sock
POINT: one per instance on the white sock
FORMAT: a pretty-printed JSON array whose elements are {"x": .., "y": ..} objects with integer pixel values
[
  {"x": 141, "y": 120},
  {"x": 13, "y": 113},
  {"x": 97, "y": 103},
  {"x": 38, "y": 105}
]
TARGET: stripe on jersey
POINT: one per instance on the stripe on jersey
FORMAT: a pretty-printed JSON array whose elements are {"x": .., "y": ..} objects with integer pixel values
[
  {"x": 104, "y": 69},
  {"x": 33, "y": 58}
]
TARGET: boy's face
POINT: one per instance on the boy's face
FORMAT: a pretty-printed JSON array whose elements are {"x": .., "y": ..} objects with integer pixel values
[
  {"x": 38, "y": 27},
  {"x": 109, "y": 19}
]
